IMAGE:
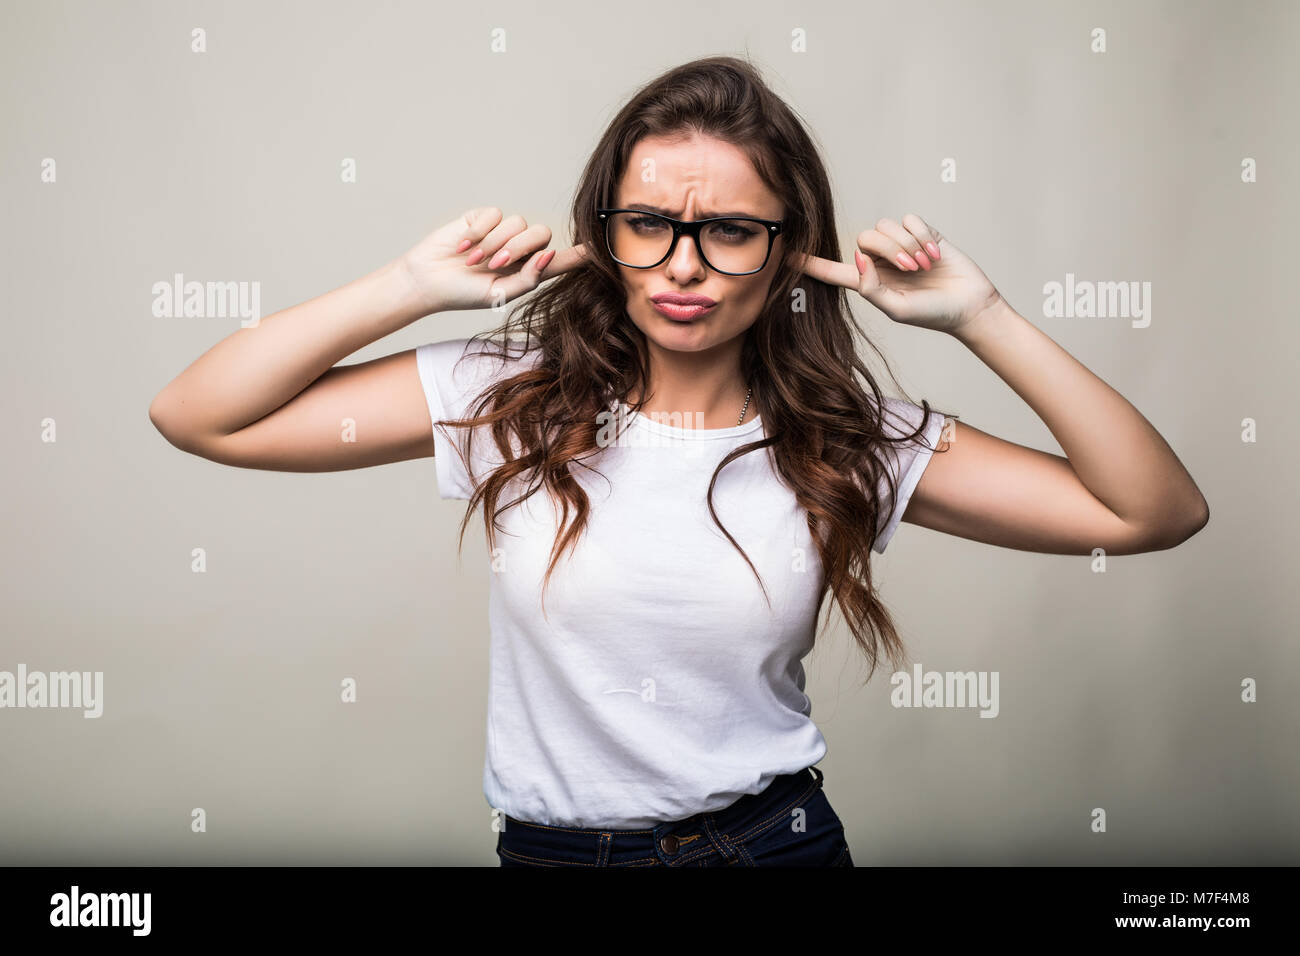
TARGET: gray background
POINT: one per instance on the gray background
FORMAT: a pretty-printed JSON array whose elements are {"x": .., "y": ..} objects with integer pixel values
[{"x": 1118, "y": 690}]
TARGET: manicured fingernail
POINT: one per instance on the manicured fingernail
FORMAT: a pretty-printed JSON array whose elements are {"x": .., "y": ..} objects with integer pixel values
[
  {"x": 546, "y": 260},
  {"x": 474, "y": 257},
  {"x": 862, "y": 262},
  {"x": 931, "y": 248},
  {"x": 921, "y": 258},
  {"x": 907, "y": 262},
  {"x": 500, "y": 259},
  {"x": 464, "y": 244}
]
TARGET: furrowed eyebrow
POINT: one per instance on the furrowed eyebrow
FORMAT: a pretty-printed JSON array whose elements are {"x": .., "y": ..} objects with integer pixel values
[{"x": 704, "y": 214}]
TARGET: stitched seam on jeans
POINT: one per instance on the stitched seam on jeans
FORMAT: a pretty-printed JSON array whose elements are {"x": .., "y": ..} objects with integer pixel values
[
  {"x": 704, "y": 848},
  {"x": 744, "y": 853},
  {"x": 711, "y": 828},
  {"x": 687, "y": 856},
  {"x": 694, "y": 854},
  {"x": 639, "y": 861},
  {"x": 644, "y": 861},
  {"x": 542, "y": 860},
  {"x": 771, "y": 821}
]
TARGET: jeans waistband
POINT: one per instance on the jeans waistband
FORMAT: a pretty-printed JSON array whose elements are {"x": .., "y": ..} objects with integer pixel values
[{"x": 748, "y": 814}]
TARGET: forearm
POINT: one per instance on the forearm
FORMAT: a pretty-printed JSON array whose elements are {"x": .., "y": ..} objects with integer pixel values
[
  {"x": 256, "y": 370},
  {"x": 1114, "y": 450}
]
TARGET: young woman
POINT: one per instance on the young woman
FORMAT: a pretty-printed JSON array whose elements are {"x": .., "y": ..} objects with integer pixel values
[{"x": 679, "y": 454}]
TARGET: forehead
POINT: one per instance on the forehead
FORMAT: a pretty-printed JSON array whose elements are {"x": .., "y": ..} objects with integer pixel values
[{"x": 713, "y": 175}]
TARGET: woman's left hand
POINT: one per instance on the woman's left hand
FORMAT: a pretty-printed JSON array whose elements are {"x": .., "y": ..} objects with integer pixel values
[{"x": 912, "y": 274}]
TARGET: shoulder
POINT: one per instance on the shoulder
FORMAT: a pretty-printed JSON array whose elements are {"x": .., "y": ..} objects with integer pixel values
[
  {"x": 479, "y": 351},
  {"x": 901, "y": 418},
  {"x": 469, "y": 361}
]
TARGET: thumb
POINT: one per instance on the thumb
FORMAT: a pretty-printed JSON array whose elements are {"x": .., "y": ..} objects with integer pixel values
[
  {"x": 527, "y": 278},
  {"x": 872, "y": 289}
]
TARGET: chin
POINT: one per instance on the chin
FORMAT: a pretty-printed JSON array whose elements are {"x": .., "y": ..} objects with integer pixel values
[
  {"x": 683, "y": 338},
  {"x": 678, "y": 336}
]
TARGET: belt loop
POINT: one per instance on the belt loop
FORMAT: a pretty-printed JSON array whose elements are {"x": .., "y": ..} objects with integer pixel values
[{"x": 722, "y": 843}]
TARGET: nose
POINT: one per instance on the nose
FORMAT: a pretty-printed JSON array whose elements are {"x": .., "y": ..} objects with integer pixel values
[{"x": 685, "y": 261}]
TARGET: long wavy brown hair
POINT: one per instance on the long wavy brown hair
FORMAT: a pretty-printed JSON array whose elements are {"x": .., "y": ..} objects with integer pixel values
[{"x": 820, "y": 405}]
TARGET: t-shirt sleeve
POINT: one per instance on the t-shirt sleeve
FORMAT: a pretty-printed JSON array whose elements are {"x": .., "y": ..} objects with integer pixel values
[
  {"x": 454, "y": 374},
  {"x": 906, "y": 461}
]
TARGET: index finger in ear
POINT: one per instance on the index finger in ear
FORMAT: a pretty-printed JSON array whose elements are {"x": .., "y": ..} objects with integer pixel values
[
  {"x": 834, "y": 273},
  {"x": 565, "y": 260}
]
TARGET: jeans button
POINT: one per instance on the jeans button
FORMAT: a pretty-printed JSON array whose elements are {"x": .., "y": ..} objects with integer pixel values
[{"x": 668, "y": 844}]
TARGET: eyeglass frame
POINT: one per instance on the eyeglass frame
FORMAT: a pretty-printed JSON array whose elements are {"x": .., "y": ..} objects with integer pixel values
[{"x": 682, "y": 227}]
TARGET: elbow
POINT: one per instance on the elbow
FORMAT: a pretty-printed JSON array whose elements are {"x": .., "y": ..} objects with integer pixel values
[
  {"x": 162, "y": 417},
  {"x": 1174, "y": 534},
  {"x": 1199, "y": 517},
  {"x": 165, "y": 418},
  {"x": 156, "y": 412}
]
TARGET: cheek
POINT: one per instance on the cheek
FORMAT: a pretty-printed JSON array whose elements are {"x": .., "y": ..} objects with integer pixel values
[
  {"x": 746, "y": 299},
  {"x": 631, "y": 291}
]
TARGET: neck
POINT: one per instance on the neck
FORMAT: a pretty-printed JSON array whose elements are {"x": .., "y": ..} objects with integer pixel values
[{"x": 706, "y": 388}]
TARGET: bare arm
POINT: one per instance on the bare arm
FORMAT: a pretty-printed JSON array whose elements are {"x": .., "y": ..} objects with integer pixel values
[
  {"x": 1121, "y": 487},
  {"x": 256, "y": 370},
  {"x": 353, "y": 416},
  {"x": 271, "y": 396}
]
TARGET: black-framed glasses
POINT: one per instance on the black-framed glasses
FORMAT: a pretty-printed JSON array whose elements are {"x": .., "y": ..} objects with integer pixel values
[{"x": 733, "y": 246}]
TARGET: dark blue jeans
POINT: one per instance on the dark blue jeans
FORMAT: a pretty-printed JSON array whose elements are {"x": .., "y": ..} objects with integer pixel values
[{"x": 791, "y": 823}]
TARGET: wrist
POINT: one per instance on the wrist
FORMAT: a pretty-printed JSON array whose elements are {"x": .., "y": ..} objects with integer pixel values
[
  {"x": 985, "y": 322},
  {"x": 405, "y": 291}
]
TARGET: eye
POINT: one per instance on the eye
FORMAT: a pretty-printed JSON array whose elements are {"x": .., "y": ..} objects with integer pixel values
[
  {"x": 732, "y": 231},
  {"x": 646, "y": 223}
]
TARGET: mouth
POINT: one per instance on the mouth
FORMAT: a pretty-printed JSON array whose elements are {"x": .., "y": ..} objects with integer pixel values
[{"x": 682, "y": 307}]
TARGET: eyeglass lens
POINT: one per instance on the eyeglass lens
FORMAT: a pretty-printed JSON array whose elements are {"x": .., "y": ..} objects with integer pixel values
[{"x": 642, "y": 239}]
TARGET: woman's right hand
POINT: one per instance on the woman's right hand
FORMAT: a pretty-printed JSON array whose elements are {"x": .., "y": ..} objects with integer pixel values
[{"x": 452, "y": 267}]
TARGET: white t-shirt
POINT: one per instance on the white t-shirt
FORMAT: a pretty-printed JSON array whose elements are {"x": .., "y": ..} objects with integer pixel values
[{"x": 659, "y": 684}]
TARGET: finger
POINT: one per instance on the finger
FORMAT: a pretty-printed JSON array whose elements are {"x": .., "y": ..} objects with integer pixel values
[
  {"x": 825, "y": 270},
  {"x": 928, "y": 237},
  {"x": 886, "y": 249},
  {"x": 907, "y": 242},
  {"x": 477, "y": 222},
  {"x": 520, "y": 246},
  {"x": 526, "y": 279},
  {"x": 499, "y": 235},
  {"x": 873, "y": 290},
  {"x": 862, "y": 277},
  {"x": 565, "y": 260}
]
